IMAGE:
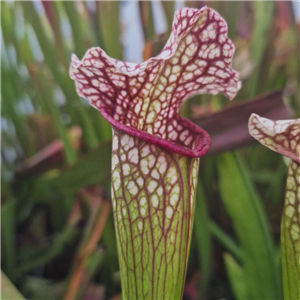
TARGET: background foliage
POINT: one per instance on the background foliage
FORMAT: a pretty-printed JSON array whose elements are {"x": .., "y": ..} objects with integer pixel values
[{"x": 58, "y": 238}]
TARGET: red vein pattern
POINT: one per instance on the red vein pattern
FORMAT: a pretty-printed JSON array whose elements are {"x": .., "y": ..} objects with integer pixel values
[
  {"x": 284, "y": 138},
  {"x": 143, "y": 99},
  {"x": 153, "y": 201},
  {"x": 155, "y": 151},
  {"x": 290, "y": 234},
  {"x": 280, "y": 136}
]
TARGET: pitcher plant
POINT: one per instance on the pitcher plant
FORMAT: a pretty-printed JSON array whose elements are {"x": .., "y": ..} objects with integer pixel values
[{"x": 155, "y": 152}]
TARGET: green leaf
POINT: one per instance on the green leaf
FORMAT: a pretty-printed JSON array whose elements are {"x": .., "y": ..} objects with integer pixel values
[
  {"x": 146, "y": 14},
  {"x": 169, "y": 9},
  {"x": 250, "y": 225},
  {"x": 51, "y": 58},
  {"x": 109, "y": 15},
  {"x": 47, "y": 95},
  {"x": 237, "y": 277},
  {"x": 8, "y": 290},
  {"x": 8, "y": 231},
  {"x": 93, "y": 168},
  {"x": 43, "y": 289},
  {"x": 203, "y": 237},
  {"x": 111, "y": 262},
  {"x": 52, "y": 13},
  {"x": 264, "y": 12},
  {"x": 9, "y": 96},
  {"x": 78, "y": 34},
  {"x": 42, "y": 256},
  {"x": 225, "y": 240},
  {"x": 231, "y": 16}
]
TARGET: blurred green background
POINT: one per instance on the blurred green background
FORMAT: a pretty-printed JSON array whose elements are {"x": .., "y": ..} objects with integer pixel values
[{"x": 58, "y": 239}]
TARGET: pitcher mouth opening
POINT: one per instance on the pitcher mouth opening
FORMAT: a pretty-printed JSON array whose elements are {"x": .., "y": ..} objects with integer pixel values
[{"x": 200, "y": 139}]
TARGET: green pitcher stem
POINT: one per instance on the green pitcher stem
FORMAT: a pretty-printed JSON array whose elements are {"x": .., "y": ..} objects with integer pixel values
[
  {"x": 290, "y": 234},
  {"x": 153, "y": 194}
]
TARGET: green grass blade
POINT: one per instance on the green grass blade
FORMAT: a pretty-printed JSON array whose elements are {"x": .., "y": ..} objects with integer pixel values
[
  {"x": 109, "y": 15},
  {"x": 52, "y": 13},
  {"x": 51, "y": 58},
  {"x": 45, "y": 43},
  {"x": 231, "y": 17},
  {"x": 203, "y": 237},
  {"x": 8, "y": 290},
  {"x": 94, "y": 168},
  {"x": 237, "y": 277},
  {"x": 169, "y": 9},
  {"x": 42, "y": 257},
  {"x": 249, "y": 222},
  {"x": 264, "y": 13},
  {"x": 10, "y": 111},
  {"x": 111, "y": 262},
  {"x": 77, "y": 30},
  {"x": 146, "y": 14},
  {"x": 8, "y": 232},
  {"x": 225, "y": 240},
  {"x": 70, "y": 152}
]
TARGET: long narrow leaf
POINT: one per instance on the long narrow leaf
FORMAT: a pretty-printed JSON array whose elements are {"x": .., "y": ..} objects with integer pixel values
[
  {"x": 94, "y": 168},
  {"x": 109, "y": 12},
  {"x": 250, "y": 225},
  {"x": 51, "y": 59},
  {"x": 203, "y": 237},
  {"x": 52, "y": 13},
  {"x": 237, "y": 277},
  {"x": 146, "y": 14},
  {"x": 169, "y": 9},
  {"x": 77, "y": 30},
  {"x": 8, "y": 232},
  {"x": 225, "y": 240},
  {"x": 8, "y": 290},
  {"x": 264, "y": 11},
  {"x": 45, "y": 93},
  {"x": 42, "y": 257}
]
